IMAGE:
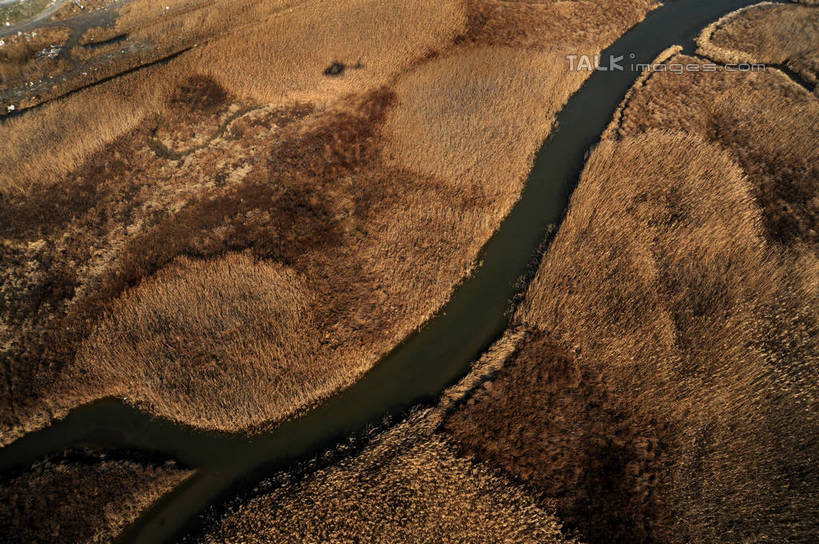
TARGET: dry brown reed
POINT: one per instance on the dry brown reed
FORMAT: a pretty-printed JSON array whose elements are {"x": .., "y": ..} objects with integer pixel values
[
  {"x": 666, "y": 389},
  {"x": 210, "y": 334},
  {"x": 734, "y": 109},
  {"x": 81, "y": 496},
  {"x": 313, "y": 178},
  {"x": 263, "y": 60},
  {"x": 781, "y": 34},
  {"x": 407, "y": 487},
  {"x": 28, "y": 56}
]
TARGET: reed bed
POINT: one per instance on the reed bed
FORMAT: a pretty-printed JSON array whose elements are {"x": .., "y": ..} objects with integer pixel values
[
  {"x": 734, "y": 109},
  {"x": 666, "y": 386},
  {"x": 29, "y": 56},
  {"x": 477, "y": 116},
  {"x": 782, "y": 34},
  {"x": 210, "y": 334},
  {"x": 321, "y": 175},
  {"x": 406, "y": 486},
  {"x": 82, "y": 496},
  {"x": 260, "y": 61}
]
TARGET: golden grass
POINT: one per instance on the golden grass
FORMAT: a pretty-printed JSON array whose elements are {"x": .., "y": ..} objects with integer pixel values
[
  {"x": 405, "y": 486},
  {"x": 278, "y": 51},
  {"x": 477, "y": 115},
  {"x": 770, "y": 33},
  {"x": 320, "y": 176},
  {"x": 571, "y": 26},
  {"x": 206, "y": 335},
  {"x": 733, "y": 109},
  {"x": 81, "y": 496},
  {"x": 666, "y": 387},
  {"x": 42, "y": 146},
  {"x": 263, "y": 62},
  {"x": 275, "y": 63}
]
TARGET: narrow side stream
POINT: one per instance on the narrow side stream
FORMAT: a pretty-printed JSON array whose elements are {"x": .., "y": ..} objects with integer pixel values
[{"x": 428, "y": 361}]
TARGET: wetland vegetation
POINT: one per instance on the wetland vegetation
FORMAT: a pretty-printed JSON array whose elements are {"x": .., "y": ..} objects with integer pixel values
[{"x": 233, "y": 235}]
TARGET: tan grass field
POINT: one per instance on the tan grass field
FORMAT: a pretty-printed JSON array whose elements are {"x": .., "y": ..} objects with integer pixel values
[
  {"x": 196, "y": 317},
  {"x": 665, "y": 388},
  {"x": 285, "y": 73},
  {"x": 445, "y": 103},
  {"x": 316, "y": 176},
  {"x": 734, "y": 109},
  {"x": 783, "y": 34},
  {"x": 81, "y": 497},
  {"x": 406, "y": 486}
]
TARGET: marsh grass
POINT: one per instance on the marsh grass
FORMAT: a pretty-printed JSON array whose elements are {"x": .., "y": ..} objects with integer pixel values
[
  {"x": 733, "y": 110},
  {"x": 666, "y": 386},
  {"x": 477, "y": 115},
  {"x": 319, "y": 178},
  {"x": 406, "y": 486},
  {"x": 25, "y": 57},
  {"x": 226, "y": 332},
  {"x": 782, "y": 34},
  {"x": 263, "y": 59},
  {"x": 82, "y": 496}
]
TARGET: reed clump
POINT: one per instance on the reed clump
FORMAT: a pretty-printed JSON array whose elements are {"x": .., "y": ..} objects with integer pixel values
[
  {"x": 82, "y": 496},
  {"x": 406, "y": 486},
  {"x": 781, "y": 34},
  {"x": 227, "y": 332}
]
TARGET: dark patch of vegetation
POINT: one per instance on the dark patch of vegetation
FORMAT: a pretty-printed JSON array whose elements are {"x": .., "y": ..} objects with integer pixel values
[
  {"x": 337, "y": 68},
  {"x": 81, "y": 495},
  {"x": 42, "y": 210},
  {"x": 551, "y": 425},
  {"x": 199, "y": 94},
  {"x": 786, "y": 183}
]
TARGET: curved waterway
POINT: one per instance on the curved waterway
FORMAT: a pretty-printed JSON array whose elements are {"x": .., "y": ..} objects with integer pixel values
[{"x": 423, "y": 365}]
